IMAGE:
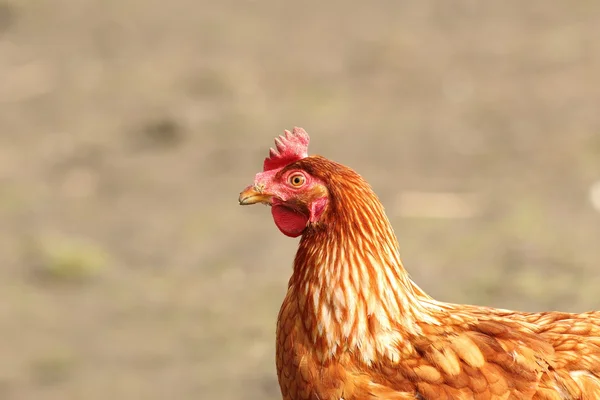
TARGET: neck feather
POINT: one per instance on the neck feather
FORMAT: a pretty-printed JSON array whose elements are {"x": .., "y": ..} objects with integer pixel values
[{"x": 350, "y": 284}]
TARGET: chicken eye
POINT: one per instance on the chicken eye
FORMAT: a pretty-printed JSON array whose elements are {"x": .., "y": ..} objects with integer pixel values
[{"x": 297, "y": 180}]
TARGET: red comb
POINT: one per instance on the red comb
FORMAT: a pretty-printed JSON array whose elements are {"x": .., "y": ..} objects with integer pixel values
[{"x": 290, "y": 148}]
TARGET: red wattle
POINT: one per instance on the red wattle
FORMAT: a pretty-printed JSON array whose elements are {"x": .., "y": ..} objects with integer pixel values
[{"x": 290, "y": 222}]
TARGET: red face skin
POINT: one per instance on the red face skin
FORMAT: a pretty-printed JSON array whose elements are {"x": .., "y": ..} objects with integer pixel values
[{"x": 297, "y": 198}]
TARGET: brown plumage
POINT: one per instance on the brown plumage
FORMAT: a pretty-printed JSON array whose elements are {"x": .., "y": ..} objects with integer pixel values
[{"x": 354, "y": 326}]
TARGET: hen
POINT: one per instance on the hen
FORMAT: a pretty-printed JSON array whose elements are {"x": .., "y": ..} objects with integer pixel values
[{"x": 354, "y": 326}]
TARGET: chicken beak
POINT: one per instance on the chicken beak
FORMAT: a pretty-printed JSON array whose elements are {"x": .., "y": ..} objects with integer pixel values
[{"x": 253, "y": 195}]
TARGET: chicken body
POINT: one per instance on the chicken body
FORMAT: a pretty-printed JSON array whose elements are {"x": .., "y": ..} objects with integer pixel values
[
  {"x": 514, "y": 356},
  {"x": 353, "y": 325}
]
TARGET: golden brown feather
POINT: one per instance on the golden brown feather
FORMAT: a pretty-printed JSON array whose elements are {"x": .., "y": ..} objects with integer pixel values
[{"x": 354, "y": 326}]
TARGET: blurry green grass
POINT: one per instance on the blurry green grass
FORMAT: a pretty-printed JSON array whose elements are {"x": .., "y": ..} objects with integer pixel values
[{"x": 65, "y": 259}]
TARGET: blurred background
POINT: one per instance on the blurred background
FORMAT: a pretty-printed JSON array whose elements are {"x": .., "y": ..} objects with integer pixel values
[{"x": 129, "y": 127}]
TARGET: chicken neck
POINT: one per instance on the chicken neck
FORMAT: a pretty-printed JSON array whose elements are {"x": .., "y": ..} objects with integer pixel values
[{"x": 352, "y": 290}]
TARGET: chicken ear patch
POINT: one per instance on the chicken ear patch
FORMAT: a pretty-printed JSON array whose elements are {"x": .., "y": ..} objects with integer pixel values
[{"x": 289, "y": 221}]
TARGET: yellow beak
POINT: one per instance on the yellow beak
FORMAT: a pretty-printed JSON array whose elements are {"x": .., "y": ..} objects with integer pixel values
[{"x": 251, "y": 195}]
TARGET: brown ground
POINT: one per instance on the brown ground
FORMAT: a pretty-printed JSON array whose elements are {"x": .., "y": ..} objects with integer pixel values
[{"x": 128, "y": 128}]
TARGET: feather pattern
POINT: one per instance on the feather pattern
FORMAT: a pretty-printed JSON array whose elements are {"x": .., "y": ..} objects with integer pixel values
[{"x": 354, "y": 326}]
